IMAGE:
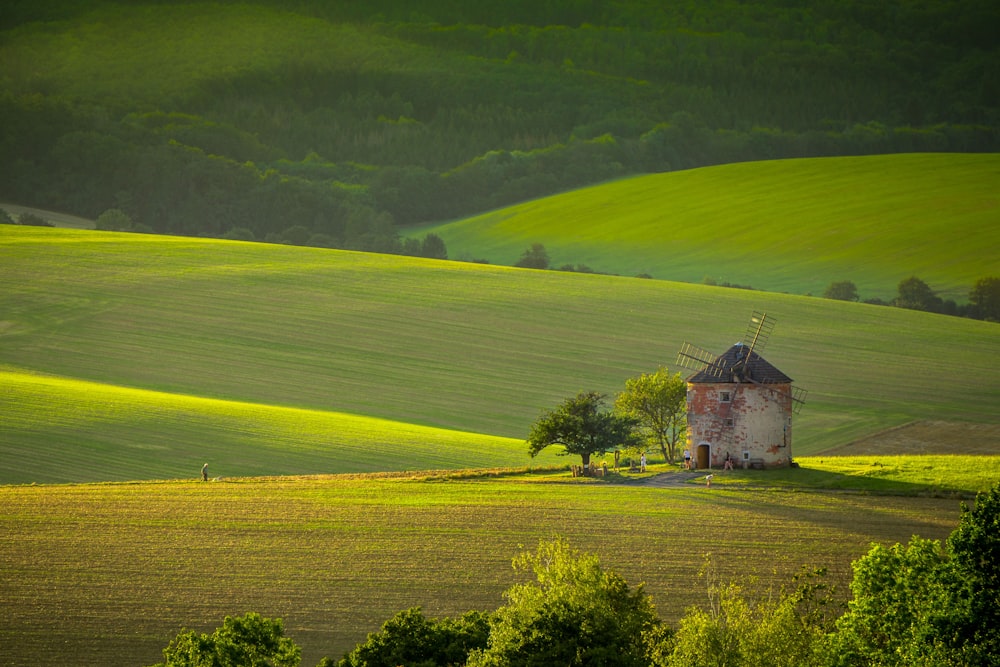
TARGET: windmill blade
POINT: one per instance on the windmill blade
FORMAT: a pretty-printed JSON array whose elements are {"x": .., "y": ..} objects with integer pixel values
[
  {"x": 696, "y": 358},
  {"x": 758, "y": 331},
  {"x": 798, "y": 394},
  {"x": 798, "y": 399}
]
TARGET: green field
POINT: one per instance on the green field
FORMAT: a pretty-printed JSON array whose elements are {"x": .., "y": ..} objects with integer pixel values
[
  {"x": 107, "y": 574},
  {"x": 446, "y": 345},
  {"x": 786, "y": 225}
]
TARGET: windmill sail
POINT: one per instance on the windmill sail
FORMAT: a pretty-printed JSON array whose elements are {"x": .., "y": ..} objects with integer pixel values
[{"x": 699, "y": 359}]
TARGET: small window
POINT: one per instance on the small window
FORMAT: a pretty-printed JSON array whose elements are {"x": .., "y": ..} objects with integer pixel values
[
  {"x": 724, "y": 397},
  {"x": 729, "y": 422}
]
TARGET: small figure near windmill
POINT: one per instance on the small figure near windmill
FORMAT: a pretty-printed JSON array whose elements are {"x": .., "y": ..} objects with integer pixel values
[{"x": 739, "y": 405}]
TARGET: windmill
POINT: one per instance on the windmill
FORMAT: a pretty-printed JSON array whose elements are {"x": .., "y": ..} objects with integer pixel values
[
  {"x": 738, "y": 400},
  {"x": 739, "y": 366}
]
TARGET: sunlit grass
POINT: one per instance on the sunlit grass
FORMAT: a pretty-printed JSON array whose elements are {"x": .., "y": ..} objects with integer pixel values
[
  {"x": 787, "y": 225},
  {"x": 449, "y": 345},
  {"x": 335, "y": 557},
  {"x": 945, "y": 475},
  {"x": 73, "y": 430}
]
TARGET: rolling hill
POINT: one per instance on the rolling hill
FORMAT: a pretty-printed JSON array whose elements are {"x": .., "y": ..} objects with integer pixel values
[
  {"x": 438, "y": 344},
  {"x": 784, "y": 225}
]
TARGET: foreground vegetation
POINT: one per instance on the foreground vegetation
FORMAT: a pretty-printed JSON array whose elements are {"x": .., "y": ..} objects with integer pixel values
[
  {"x": 447, "y": 345},
  {"x": 336, "y": 556},
  {"x": 920, "y": 604},
  {"x": 329, "y": 123}
]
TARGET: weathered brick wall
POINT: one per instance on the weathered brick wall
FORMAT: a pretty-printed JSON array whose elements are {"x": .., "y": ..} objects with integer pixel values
[{"x": 760, "y": 423}]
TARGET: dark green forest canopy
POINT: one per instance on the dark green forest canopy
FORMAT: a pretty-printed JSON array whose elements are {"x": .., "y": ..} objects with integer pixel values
[{"x": 348, "y": 118}]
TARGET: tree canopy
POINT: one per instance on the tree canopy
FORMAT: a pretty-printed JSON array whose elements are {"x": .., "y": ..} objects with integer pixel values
[
  {"x": 658, "y": 401},
  {"x": 843, "y": 290},
  {"x": 409, "y": 638},
  {"x": 985, "y": 298},
  {"x": 244, "y": 641},
  {"x": 915, "y": 294},
  {"x": 575, "y": 613},
  {"x": 583, "y": 427}
]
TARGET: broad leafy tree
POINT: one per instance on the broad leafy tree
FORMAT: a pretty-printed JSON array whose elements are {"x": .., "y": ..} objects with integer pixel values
[
  {"x": 114, "y": 220},
  {"x": 245, "y": 641},
  {"x": 433, "y": 246},
  {"x": 928, "y": 604},
  {"x": 658, "y": 401},
  {"x": 915, "y": 294},
  {"x": 575, "y": 613},
  {"x": 901, "y": 598},
  {"x": 985, "y": 298},
  {"x": 843, "y": 290},
  {"x": 409, "y": 638},
  {"x": 535, "y": 257},
  {"x": 583, "y": 427},
  {"x": 975, "y": 548},
  {"x": 736, "y": 630}
]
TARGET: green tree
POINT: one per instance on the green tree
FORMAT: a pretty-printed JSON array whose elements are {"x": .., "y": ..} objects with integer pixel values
[
  {"x": 903, "y": 602},
  {"x": 975, "y": 548},
  {"x": 5, "y": 218},
  {"x": 843, "y": 290},
  {"x": 34, "y": 220},
  {"x": 658, "y": 401},
  {"x": 576, "y": 613},
  {"x": 114, "y": 220},
  {"x": 296, "y": 235},
  {"x": 239, "y": 234},
  {"x": 768, "y": 632},
  {"x": 985, "y": 298},
  {"x": 433, "y": 246},
  {"x": 535, "y": 257},
  {"x": 927, "y": 605},
  {"x": 409, "y": 638},
  {"x": 245, "y": 641},
  {"x": 915, "y": 294},
  {"x": 582, "y": 426}
]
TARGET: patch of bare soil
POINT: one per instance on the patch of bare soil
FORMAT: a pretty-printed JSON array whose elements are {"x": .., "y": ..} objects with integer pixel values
[{"x": 927, "y": 437}]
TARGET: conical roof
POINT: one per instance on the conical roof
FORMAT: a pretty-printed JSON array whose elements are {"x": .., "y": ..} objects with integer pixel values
[{"x": 734, "y": 366}]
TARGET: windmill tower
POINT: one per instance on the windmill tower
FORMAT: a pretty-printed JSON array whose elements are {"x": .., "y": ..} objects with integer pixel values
[{"x": 738, "y": 404}]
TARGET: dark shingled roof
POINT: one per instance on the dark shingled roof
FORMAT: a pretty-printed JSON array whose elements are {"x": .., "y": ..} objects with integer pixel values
[{"x": 756, "y": 368}]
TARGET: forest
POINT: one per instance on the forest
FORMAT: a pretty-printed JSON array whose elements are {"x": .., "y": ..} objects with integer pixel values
[{"x": 333, "y": 124}]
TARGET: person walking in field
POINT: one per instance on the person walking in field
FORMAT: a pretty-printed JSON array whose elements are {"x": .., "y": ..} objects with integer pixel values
[
  {"x": 642, "y": 462},
  {"x": 204, "y": 473}
]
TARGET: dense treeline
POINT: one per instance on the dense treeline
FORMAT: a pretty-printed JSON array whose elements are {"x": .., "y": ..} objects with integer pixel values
[
  {"x": 349, "y": 119},
  {"x": 924, "y": 603}
]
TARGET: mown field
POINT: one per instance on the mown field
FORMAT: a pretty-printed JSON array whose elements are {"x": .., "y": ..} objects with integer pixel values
[
  {"x": 785, "y": 225},
  {"x": 447, "y": 345},
  {"x": 107, "y": 574}
]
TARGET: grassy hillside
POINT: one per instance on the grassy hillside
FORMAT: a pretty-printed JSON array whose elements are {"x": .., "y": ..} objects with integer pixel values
[
  {"x": 787, "y": 225},
  {"x": 447, "y": 345},
  {"x": 82, "y": 431},
  {"x": 335, "y": 557}
]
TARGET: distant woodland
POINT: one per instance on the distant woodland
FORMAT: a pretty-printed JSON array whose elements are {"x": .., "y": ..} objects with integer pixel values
[{"x": 333, "y": 123}]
